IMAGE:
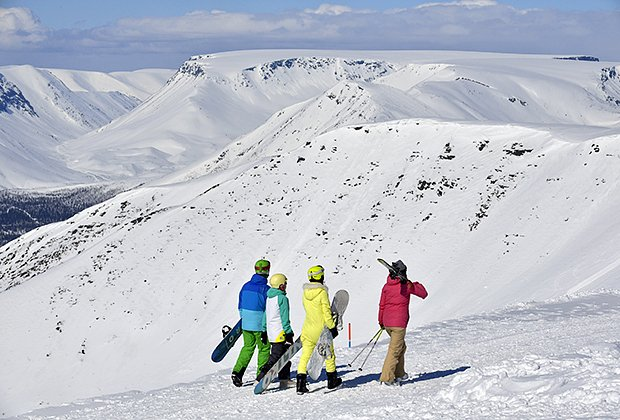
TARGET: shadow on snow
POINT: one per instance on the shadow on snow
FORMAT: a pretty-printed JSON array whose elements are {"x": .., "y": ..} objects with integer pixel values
[
  {"x": 374, "y": 377},
  {"x": 437, "y": 374}
]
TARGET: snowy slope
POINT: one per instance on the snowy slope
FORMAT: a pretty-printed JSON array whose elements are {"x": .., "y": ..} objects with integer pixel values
[
  {"x": 41, "y": 108},
  {"x": 529, "y": 217},
  {"x": 486, "y": 211},
  {"x": 344, "y": 104},
  {"x": 557, "y": 359},
  {"x": 140, "y": 84}
]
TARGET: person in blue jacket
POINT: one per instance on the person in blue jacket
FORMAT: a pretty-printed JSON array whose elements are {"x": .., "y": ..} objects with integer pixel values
[{"x": 252, "y": 302}]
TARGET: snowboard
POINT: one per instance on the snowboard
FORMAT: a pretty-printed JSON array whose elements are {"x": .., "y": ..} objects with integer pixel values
[
  {"x": 390, "y": 268},
  {"x": 227, "y": 343},
  {"x": 323, "y": 349},
  {"x": 262, "y": 385}
]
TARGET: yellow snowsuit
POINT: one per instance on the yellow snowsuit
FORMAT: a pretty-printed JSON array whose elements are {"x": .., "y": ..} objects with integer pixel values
[{"x": 318, "y": 315}]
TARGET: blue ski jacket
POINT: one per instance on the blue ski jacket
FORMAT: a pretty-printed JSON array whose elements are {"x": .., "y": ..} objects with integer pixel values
[{"x": 252, "y": 298}]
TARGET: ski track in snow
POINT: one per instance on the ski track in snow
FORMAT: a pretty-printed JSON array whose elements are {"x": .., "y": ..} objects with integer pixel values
[
  {"x": 559, "y": 359},
  {"x": 594, "y": 277}
]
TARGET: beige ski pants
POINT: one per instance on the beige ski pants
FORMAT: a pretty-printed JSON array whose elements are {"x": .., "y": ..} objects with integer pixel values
[{"x": 394, "y": 364}]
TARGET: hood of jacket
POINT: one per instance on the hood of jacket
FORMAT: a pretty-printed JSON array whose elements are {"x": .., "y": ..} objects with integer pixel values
[
  {"x": 312, "y": 290},
  {"x": 258, "y": 279},
  {"x": 272, "y": 292}
]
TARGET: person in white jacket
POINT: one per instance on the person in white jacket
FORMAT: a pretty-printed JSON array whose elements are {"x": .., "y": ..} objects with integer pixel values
[{"x": 278, "y": 325}]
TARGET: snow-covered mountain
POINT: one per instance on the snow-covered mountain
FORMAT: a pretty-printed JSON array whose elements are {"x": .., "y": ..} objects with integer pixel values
[
  {"x": 210, "y": 101},
  {"x": 494, "y": 177},
  {"x": 42, "y": 108},
  {"x": 214, "y": 99}
]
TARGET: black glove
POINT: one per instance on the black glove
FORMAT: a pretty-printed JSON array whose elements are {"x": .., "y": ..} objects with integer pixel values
[
  {"x": 288, "y": 338},
  {"x": 263, "y": 337},
  {"x": 334, "y": 332},
  {"x": 381, "y": 326}
]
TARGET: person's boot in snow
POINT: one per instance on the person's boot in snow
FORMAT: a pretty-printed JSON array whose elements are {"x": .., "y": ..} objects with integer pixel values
[
  {"x": 237, "y": 378},
  {"x": 285, "y": 383},
  {"x": 333, "y": 381},
  {"x": 302, "y": 387},
  {"x": 402, "y": 378}
]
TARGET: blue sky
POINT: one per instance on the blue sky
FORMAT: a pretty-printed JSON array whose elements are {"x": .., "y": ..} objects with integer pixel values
[
  {"x": 60, "y": 14},
  {"x": 110, "y": 35}
]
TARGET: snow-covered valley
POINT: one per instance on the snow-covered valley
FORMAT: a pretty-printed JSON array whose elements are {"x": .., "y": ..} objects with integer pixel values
[
  {"x": 42, "y": 108},
  {"x": 494, "y": 177}
]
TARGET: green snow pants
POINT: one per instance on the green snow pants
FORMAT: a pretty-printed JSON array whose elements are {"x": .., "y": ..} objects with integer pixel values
[{"x": 251, "y": 340}]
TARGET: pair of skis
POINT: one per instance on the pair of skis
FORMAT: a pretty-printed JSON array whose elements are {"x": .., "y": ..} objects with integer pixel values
[{"x": 392, "y": 270}]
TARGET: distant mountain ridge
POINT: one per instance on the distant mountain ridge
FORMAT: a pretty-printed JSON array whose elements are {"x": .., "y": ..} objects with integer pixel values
[
  {"x": 177, "y": 127},
  {"x": 167, "y": 139}
]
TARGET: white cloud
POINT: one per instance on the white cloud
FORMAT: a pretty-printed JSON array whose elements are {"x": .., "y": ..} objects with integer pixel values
[
  {"x": 462, "y": 3},
  {"x": 19, "y": 28},
  {"x": 205, "y": 25},
  {"x": 482, "y": 25},
  {"x": 330, "y": 9}
]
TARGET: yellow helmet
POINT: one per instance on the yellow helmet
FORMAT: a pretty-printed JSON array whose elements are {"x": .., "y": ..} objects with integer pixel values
[
  {"x": 277, "y": 280},
  {"x": 316, "y": 273}
]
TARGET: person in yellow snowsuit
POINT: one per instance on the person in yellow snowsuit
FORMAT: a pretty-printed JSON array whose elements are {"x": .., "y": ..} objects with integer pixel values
[{"x": 318, "y": 315}]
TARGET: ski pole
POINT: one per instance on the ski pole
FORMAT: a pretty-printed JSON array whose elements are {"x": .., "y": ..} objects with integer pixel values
[
  {"x": 371, "y": 349},
  {"x": 366, "y": 346}
]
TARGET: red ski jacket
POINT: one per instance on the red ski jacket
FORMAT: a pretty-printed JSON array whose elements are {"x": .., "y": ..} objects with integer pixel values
[{"x": 394, "y": 303}]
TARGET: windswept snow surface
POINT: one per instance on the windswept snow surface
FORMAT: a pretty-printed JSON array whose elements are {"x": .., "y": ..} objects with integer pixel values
[{"x": 557, "y": 359}]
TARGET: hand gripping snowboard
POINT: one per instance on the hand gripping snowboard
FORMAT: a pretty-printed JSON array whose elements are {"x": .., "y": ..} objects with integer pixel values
[
  {"x": 323, "y": 349},
  {"x": 262, "y": 385},
  {"x": 227, "y": 343}
]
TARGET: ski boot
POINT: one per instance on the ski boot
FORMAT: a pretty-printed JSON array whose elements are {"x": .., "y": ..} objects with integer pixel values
[
  {"x": 302, "y": 385},
  {"x": 285, "y": 384},
  {"x": 333, "y": 381},
  {"x": 237, "y": 378}
]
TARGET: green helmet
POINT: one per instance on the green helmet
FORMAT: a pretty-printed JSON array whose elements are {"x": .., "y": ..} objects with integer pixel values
[
  {"x": 262, "y": 267},
  {"x": 316, "y": 273}
]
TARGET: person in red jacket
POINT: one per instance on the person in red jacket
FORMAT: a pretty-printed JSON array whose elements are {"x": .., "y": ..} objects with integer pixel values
[{"x": 394, "y": 317}]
